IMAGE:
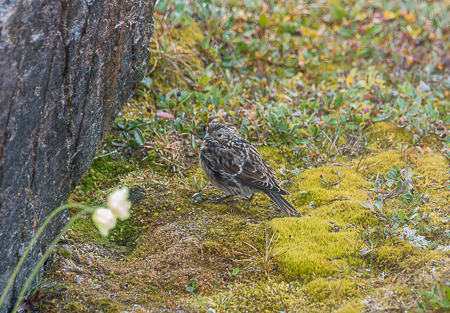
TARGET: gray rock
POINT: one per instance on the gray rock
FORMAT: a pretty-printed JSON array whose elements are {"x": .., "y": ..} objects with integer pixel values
[
  {"x": 66, "y": 69},
  {"x": 67, "y": 247},
  {"x": 137, "y": 193}
]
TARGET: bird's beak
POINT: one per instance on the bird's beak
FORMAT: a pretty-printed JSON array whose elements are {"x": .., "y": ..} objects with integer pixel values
[{"x": 207, "y": 137}]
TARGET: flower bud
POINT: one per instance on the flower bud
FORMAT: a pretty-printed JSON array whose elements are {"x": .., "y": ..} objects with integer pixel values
[
  {"x": 118, "y": 203},
  {"x": 104, "y": 219}
]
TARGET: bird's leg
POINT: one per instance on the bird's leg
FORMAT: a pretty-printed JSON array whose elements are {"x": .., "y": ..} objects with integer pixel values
[
  {"x": 250, "y": 200},
  {"x": 219, "y": 199}
]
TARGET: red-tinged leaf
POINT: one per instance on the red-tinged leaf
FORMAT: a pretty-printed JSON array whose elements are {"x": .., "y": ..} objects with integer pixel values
[
  {"x": 165, "y": 115},
  {"x": 369, "y": 204},
  {"x": 368, "y": 96}
]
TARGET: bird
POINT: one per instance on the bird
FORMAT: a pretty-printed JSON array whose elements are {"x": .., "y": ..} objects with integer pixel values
[{"x": 235, "y": 166}]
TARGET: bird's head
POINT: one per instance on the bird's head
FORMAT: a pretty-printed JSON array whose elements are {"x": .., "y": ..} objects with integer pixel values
[{"x": 219, "y": 133}]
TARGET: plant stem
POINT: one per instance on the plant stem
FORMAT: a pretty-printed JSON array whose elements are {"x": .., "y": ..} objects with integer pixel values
[
  {"x": 371, "y": 268},
  {"x": 200, "y": 301},
  {"x": 30, "y": 245},
  {"x": 44, "y": 258}
]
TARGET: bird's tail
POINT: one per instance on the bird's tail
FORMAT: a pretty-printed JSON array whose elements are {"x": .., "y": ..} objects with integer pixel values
[{"x": 283, "y": 204}]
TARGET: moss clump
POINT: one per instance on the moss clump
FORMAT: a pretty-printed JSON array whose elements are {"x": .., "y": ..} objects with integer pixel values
[
  {"x": 126, "y": 233},
  {"x": 66, "y": 253},
  {"x": 326, "y": 226},
  {"x": 356, "y": 305},
  {"x": 104, "y": 172},
  {"x": 84, "y": 230},
  {"x": 257, "y": 296},
  {"x": 170, "y": 71},
  {"x": 320, "y": 253},
  {"x": 328, "y": 229},
  {"x": 275, "y": 296},
  {"x": 382, "y": 130},
  {"x": 399, "y": 255},
  {"x": 323, "y": 290}
]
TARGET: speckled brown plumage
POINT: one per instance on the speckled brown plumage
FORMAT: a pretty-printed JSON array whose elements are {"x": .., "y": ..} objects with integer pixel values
[{"x": 233, "y": 165}]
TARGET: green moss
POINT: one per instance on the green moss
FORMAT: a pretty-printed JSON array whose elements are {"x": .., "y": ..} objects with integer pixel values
[
  {"x": 320, "y": 290},
  {"x": 319, "y": 247},
  {"x": 259, "y": 296},
  {"x": 382, "y": 130},
  {"x": 104, "y": 172},
  {"x": 64, "y": 252},
  {"x": 123, "y": 235},
  {"x": 275, "y": 296},
  {"x": 327, "y": 228},
  {"x": 400, "y": 255},
  {"x": 331, "y": 205},
  {"x": 356, "y": 305},
  {"x": 84, "y": 230},
  {"x": 126, "y": 233},
  {"x": 170, "y": 71},
  {"x": 95, "y": 300}
]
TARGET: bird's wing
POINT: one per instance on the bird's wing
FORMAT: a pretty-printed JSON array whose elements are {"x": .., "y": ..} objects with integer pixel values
[
  {"x": 257, "y": 173},
  {"x": 245, "y": 164}
]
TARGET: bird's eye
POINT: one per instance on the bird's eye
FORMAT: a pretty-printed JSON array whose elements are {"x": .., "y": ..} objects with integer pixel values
[{"x": 219, "y": 135}]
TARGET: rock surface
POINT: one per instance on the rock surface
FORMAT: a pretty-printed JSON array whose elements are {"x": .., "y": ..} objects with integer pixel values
[{"x": 66, "y": 69}]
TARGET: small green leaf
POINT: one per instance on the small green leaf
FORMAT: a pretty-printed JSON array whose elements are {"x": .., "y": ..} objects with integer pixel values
[
  {"x": 339, "y": 101},
  {"x": 401, "y": 215},
  {"x": 226, "y": 64},
  {"x": 132, "y": 143},
  {"x": 337, "y": 12},
  {"x": 345, "y": 32},
  {"x": 179, "y": 6},
  {"x": 352, "y": 126},
  {"x": 185, "y": 96},
  {"x": 382, "y": 117},
  {"x": 408, "y": 172},
  {"x": 377, "y": 204},
  {"x": 139, "y": 137},
  {"x": 147, "y": 82},
  {"x": 375, "y": 29},
  {"x": 302, "y": 142},
  {"x": 367, "y": 252},
  {"x": 262, "y": 20}
]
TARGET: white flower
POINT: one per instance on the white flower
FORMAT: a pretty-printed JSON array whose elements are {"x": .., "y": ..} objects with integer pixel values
[
  {"x": 118, "y": 203},
  {"x": 104, "y": 219}
]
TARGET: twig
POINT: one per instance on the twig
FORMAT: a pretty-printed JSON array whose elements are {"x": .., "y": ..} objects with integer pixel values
[
  {"x": 362, "y": 158},
  {"x": 339, "y": 199},
  {"x": 109, "y": 153},
  {"x": 366, "y": 167}
]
